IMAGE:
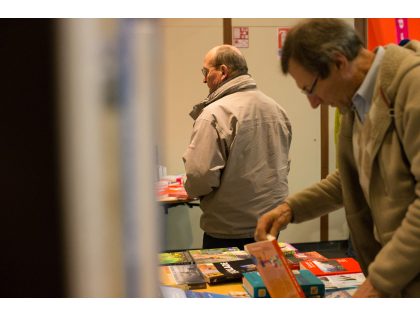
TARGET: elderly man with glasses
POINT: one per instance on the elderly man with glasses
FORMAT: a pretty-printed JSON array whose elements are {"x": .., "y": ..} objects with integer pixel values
[
  {"x": 237, "y": 162},
  {"x": 378, "y": 156}
]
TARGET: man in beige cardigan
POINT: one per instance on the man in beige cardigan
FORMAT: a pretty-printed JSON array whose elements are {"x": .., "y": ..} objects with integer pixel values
[{"x": 378, "y": 94}]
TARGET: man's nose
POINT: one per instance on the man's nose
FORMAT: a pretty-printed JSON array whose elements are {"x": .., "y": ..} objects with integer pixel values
[{"x": 314, "y": 101}]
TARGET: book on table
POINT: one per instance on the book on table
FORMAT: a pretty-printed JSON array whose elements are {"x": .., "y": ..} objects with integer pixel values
[
  {"x": 340, "y": 293},
  {"x": 254, "y": 285},
  {"x": 274, "y": 269},
  {"x": 310, "y": 284},
  {"x": 331, "y": 266},
  {"x": 287, "y": 248},
  {"x": 342, "y": 281},
  {"x": 174, "y": 257},
  {"x": 218, "y": 255},
  {"x": 295, "y": 259},
  {"x": 178, "y": 191},
  {"x": 173, "y": 292},
  {"x": 184, "y": 276},
  {"x": 228, "y": 271}
]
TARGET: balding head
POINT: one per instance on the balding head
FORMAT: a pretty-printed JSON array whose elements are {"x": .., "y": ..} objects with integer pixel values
[
  {"x": 232, "y": 57},
  {"x": 227, "y": 62}
]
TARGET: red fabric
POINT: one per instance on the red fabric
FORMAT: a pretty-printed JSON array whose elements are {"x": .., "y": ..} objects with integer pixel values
[{"x": 383, "y": 31}]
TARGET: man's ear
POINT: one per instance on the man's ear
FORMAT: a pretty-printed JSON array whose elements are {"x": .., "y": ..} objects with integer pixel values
[
  {"x": 225, "y": 71},
  {"x": 341, "y": 61}
]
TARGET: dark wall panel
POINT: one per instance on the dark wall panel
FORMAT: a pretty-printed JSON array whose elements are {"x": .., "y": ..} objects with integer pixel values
[{"x": 31, "y": 263}]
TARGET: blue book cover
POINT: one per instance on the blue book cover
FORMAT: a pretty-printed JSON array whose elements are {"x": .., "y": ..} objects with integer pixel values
[
  {"x": 310, "y": 284},
  {"x": 254, "y": 285}
]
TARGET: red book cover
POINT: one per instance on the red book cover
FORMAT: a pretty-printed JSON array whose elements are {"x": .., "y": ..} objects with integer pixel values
[
  {"x": 274, "y": 270},
  {"x": 331, "y": 266},
  {"x": 295, "y": 259}
]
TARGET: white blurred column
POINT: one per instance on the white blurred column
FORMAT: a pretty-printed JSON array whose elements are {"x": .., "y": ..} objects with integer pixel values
[
  {"x": 139, "y": 61},
  {"x": 88, "y": 231}
]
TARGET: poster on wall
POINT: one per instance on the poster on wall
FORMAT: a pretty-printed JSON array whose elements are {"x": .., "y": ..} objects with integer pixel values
[
  {"x": 281, "y": 37},
  {"x": 240, "y": 36}
]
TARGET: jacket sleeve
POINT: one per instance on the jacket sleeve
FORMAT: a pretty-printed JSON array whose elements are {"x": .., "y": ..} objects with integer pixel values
[
  {"x": 317, "y": 200},
  {"x": 204, "y": 159}
]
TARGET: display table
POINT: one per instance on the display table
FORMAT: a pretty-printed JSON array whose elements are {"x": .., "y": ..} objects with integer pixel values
[
  {"x": 225, "y": 288},
  {"x": 169, "y": 202}
]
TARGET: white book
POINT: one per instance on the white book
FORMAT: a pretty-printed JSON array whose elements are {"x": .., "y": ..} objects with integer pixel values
[{"x": 342, "y": 281}]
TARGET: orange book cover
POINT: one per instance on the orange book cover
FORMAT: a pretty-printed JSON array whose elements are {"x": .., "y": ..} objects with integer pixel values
[
  {"x": 274, "y": 270},
  {"x": 331, "y": 266}
]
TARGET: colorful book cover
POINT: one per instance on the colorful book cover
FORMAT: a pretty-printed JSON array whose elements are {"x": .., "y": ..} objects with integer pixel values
[
  {"x": 218, "y": 255},
  {"x": 331, "y": 266},
  {"x": 177, "y": 191},
  {"x": 287, "y": 248},
  {"x": 295, "y": 259},
  {"x": 221, "y": 272},
  {"x": 254, "y": 285},
  {"x": 310, "y": 284},
  {"x": 342, "y": 281},
  {"x": 174, "y": 257},
  {"x": 274, "y": 270},
  {"x": 173, "y": 292},
  {"x": 339, "y": 294},
  {"x": 185, "y": 276}
]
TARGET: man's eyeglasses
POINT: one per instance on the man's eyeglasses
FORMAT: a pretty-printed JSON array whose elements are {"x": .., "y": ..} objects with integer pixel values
[
  {"x": 205, "y": 71},
  {"x": 311, "y": 90}
]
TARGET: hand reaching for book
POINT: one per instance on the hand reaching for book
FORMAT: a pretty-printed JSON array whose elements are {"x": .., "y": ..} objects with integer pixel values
[
  {"x": 273, "y": 221},
  {"x": 367, "y": 290}
]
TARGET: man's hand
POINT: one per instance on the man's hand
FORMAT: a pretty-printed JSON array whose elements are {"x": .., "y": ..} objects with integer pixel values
[
  {"x": 273, "y": 221},
  {"x": 367, "y": 290}
]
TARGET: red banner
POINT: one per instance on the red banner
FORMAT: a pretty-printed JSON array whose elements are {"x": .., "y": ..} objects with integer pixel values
[{"x": 386, "y": 31}]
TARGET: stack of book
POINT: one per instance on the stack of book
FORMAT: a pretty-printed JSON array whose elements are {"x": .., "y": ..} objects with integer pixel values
[
  {"x": 316, "y": 275},
  {"x": 184, "y": 276},
  {"x": 221, "y": 265},
  {"x": 267, "y": 269},
  {"x": 194, "y": 269},
  {"x": 274, "y": 270},
  {"x": 171, "y": 187}
]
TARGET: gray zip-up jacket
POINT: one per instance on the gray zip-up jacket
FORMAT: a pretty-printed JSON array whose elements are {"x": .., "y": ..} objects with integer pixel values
[{"x": 238, "y": 158}]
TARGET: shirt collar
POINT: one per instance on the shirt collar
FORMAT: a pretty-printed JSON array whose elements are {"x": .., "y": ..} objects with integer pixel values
[{"x": 363, "y": 97}]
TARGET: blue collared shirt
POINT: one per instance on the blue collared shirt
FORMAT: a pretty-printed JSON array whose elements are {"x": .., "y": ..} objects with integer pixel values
[{"x": 362, "y": 99}]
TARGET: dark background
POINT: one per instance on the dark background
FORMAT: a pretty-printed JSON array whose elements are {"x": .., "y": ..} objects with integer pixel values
[{"x": 31, "y": 252}]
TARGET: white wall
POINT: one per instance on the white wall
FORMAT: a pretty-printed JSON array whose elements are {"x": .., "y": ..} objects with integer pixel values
[{"x": 185, "y": 43}]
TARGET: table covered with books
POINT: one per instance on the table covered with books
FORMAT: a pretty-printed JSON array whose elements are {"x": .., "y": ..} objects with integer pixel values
[{"x": 263, "y": 269}]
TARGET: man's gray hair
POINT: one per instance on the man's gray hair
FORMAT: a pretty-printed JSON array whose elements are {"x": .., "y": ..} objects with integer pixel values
[
  {"x": 231, "y": 57},
  {"x": 313, "y": 44}
]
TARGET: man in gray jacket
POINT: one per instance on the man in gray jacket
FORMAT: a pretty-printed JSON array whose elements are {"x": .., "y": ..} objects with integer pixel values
[
  {"x": 378, "y": 174},
  {"x": 237, "y": 162}
]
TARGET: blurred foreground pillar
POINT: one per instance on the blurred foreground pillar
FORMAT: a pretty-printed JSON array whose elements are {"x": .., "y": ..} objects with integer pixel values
[{"x": 139, "y": 79}]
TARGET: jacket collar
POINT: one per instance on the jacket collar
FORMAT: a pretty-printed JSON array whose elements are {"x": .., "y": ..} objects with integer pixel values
[{"x": 236, "y": 84}]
